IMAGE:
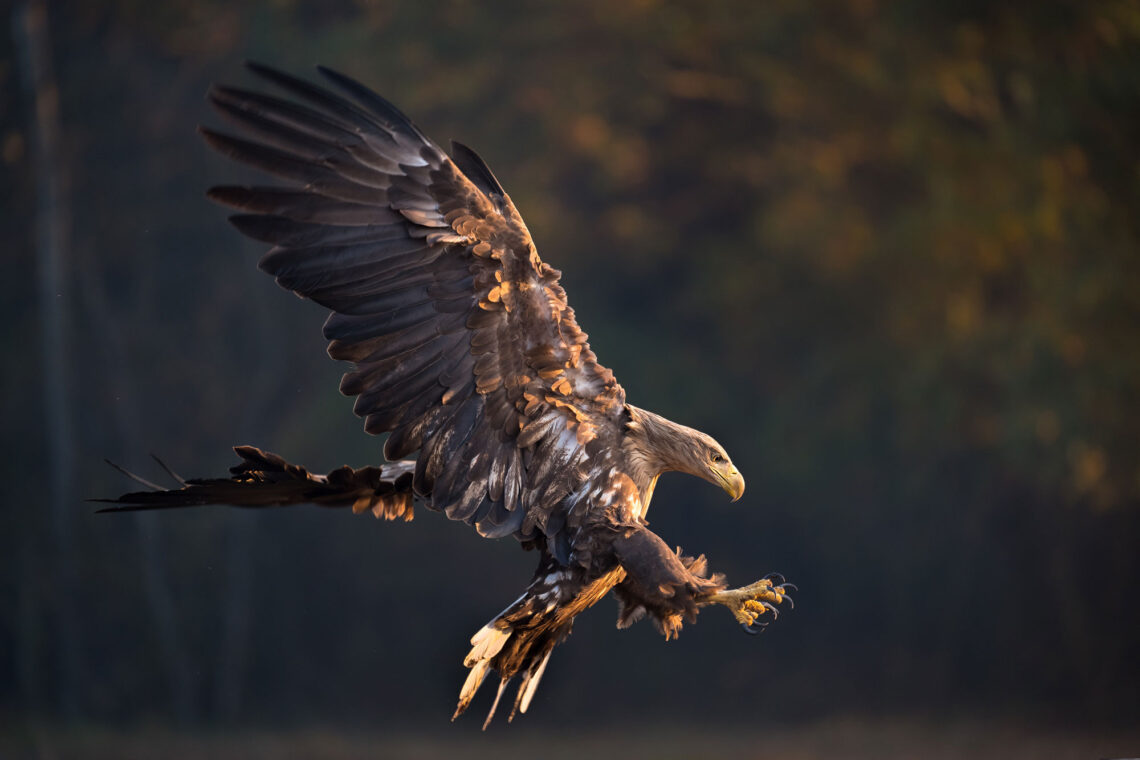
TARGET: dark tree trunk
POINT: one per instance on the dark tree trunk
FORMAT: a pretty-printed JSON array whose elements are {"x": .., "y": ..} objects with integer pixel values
[{"x": 52, "y": 241}]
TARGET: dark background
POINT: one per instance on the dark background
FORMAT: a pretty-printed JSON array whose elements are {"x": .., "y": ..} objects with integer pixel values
[{"x": 886, "y": 252}]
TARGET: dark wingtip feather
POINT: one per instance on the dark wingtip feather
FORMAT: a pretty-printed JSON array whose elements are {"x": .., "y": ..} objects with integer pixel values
[
  {"x": 234, "y": 196},
  {"x": 261, "y": 69},
  {"x": 219, "y": 141},
  {"x": 126, "y": 507},
  {"x": 475, "y": 168},
  {"x": 366, "y": 96},
  {"x": 105, "y": 510},
  {"x": 279, "y": 77},
  {"x": 257, "y": 226},
  {"x": 215, "y": 91}
]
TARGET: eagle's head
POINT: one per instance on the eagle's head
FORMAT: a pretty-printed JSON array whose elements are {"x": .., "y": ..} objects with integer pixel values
[
  {"x": 711, "y": 462},
  {"x": 661, "y": 445}
]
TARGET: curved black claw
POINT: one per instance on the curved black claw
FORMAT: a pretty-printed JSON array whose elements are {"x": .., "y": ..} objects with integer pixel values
[
  {"x": 753, "y": 631},
  {"x": 771, "y": 608},
  {"x": 776, "y": 578},
  {"x": 783, "y": 589}
]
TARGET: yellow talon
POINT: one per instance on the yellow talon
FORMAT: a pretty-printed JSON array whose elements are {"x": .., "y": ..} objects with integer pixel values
[{"x": 748, "y": 603}]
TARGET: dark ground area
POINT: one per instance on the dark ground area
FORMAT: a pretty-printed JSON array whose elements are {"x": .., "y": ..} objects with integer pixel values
[{"x": 848, "y": 738}]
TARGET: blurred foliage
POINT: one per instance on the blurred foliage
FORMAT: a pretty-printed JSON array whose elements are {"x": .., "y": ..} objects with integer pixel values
[{"x": 886, "y": 252}]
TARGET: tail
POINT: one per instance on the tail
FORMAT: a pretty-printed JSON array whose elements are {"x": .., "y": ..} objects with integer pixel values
[
  {"x": 262, "y": 479},
  {"x": 521, "y": 637},
  {"x": 529, "y": 652}
]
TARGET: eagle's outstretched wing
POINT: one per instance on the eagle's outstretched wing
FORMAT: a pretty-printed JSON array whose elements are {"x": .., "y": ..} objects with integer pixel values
[
  {"x": 464, "y": 346},
  {"x": 264, "y": 479}
]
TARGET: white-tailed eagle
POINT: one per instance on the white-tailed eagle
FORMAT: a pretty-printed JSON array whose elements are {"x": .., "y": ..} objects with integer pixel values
[{"x": 466, "y": 353}]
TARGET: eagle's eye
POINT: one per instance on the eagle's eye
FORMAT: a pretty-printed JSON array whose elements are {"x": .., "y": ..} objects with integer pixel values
[{"x": 717, "y": 458}]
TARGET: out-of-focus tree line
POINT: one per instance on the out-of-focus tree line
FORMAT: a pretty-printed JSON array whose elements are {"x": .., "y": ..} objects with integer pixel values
[{"x": 887, "y": 252}]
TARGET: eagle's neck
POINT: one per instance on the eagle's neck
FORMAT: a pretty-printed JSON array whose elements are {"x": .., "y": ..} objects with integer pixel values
[{"x": 654, "y": 445}]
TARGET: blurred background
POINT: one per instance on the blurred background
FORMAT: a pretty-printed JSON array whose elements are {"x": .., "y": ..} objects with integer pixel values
[{"x": 886, "y": 252}]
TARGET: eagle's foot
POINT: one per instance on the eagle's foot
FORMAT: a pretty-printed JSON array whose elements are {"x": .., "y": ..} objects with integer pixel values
[{"x": 748, "y": 603}]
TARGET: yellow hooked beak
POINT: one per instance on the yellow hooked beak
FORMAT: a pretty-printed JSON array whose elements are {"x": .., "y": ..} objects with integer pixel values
[{"x": 731, "y": 481}]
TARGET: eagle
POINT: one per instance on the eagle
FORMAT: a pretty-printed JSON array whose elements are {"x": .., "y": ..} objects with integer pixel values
[{"x": 465, "y": 352}]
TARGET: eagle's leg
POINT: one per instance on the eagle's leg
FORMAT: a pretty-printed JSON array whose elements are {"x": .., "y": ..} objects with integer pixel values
[
  {"x": 660, "y": 582},
  {"x": 669, "y": 587},
  {"x": 748, "y": 603}
]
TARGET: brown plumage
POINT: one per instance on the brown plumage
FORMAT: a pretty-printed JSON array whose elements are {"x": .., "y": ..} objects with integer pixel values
[{"x": 466, "y": 353}]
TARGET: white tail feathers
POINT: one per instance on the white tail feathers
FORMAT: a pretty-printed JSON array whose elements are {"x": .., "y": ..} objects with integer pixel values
[
  {"x": 495, "y": 704},
  {"x": 486, "y": 643},
  {"x": 530, "y": 685},
  {"x": 517, "y": 642},
  {"x": 470, "y": 686}
]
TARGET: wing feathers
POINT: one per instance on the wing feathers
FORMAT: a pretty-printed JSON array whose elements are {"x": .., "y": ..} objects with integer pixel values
[
  {"x": 379, "y": 106},
  {"x": 409, "y": 438},
  {"x": 283, "y": 231},
  {"x": 374, "y": 264},
  {"x": 463, "y": 343},
  {"x": 396, "y": 369},
  {"x": 408, "y": 145},
  {"x": 351, "y": 327},
  {"x": 301, "y": 130},
  {"x": 315, "y": 176},
  {"x": 302, "y": 206},
  {"x": 388, "y": 344},
  {"x": 298, "y": 129},
  {"x": 476, "y": 169}
]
